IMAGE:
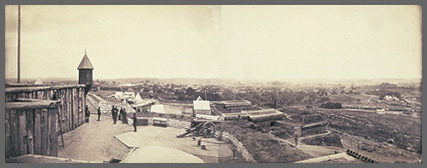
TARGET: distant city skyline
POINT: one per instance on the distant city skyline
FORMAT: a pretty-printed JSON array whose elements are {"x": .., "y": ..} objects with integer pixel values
[{"x": 242, "y": 42}]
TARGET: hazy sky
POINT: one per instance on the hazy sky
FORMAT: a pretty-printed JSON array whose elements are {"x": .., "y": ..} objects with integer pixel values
[{"x": 255, "y": 42}]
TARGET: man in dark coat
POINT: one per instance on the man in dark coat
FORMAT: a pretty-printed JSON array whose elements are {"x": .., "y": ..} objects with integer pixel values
[
  {"x": 121, "y": 112},
  {"x": 134, "y": 122},
  {"x": 115, "y": 115},
  {"x": 124, "y": 119},
  {"x": 87, "y": 113},
  {"x": 99, "y": 113}
]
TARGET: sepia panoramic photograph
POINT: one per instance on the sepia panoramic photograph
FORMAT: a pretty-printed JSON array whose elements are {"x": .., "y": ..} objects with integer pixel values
[{"x": 213, "y": 84}]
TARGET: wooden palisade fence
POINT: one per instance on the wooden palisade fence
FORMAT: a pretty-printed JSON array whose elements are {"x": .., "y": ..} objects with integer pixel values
[
  {"x": 25, "y": 104},
  {"x": 30, "y": 127}
]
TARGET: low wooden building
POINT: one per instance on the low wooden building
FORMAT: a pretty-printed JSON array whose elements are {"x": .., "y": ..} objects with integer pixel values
[
  {"x": 314, "y": 128},
  {"x": 236, "y": 105}
]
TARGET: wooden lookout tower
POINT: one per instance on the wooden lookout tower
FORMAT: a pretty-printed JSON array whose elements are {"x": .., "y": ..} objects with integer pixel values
[{"x": 85, "y": 73}]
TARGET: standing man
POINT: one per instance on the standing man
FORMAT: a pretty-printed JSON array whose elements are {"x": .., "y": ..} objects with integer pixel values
[
  {"x": 125, "y": 120},
  {"x": 99, "y": 113},
  {"x": 115, "y": 115},
  {"x": 134, "y": 122},
  {"x": 87, "y": 114},
  {"x": 121, "y": 112}
]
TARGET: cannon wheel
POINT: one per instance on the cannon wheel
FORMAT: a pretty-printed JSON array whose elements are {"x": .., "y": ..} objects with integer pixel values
[{"x": 208, "y": 130}]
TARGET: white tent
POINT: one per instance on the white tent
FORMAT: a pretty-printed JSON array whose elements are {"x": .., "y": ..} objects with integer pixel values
[
  {"x": 159, "y": 108},
  {"x": 118, "y": 95},
  {"x": 38, "y": 82},
  {"x": 201, "y": 107},
  {"x": 200, "y": 104},
  {"x": 138, "y": 98}
]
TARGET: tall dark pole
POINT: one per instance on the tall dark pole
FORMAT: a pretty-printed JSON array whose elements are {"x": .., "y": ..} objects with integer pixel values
[{"x": 19, "y": 43}]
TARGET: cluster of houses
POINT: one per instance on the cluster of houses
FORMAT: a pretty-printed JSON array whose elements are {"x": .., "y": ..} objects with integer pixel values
[{"x": 230, "y": 110}]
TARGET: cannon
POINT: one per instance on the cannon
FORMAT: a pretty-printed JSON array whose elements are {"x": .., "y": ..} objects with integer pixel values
[{"x": 205, "y": 128}]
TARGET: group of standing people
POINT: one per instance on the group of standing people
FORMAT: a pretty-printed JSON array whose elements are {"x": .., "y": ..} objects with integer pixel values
[{"x": 121, "y": 116}]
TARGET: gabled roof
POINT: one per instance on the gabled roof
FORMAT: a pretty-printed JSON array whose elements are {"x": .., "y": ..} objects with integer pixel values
[{"x": 85, "y": 63}]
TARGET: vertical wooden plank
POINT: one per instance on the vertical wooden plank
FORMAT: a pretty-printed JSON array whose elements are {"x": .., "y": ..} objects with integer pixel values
[
  {"x": 67, "y": 124},
  {"x": 64, "y": 109},
  {"x": 49, "y": 94},
  {"x": 72, "y": 108},
  {"x": 14, "y": 132},
  {"x": 7, "y": 133},
  {"x": 37, "y": 132},
  {"x": 45, "y": 94},
  {"x": 44, "y": 129},
  {"x": 78, "y": 106},
  {"x": 30, "y": 129},
  {"x": 84, "y": 104},
  {"x": 48, "y": 135},
  {"x": 67, "y": 111},
  {"x": 22, "y": 132},
  {"x": 53, "y": 134}
]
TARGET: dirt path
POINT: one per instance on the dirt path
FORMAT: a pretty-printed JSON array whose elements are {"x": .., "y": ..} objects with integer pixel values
[{"x": 94, "y": 141}]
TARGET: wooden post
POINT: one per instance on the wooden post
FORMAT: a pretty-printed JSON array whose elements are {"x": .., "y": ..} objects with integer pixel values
[
  {"x": 65, "y": 108},
  {"x": 37, "y": 132},
  {"x": 84, "y": 103},
  {"x": 45, "y": 94},
  {"x": 62, "y": 111},
  {"x": 14, "y": 132},
  {"x": 48, "y": 129},
  {"x": 30, "y": 128},
  {"x": 7, "y": 134},
  {"x": 72, "y": 108},
  {"x": 44, "y": 130},
  {"x": 53, "y": 138},
  {"x": 22, "y": 132},
  {"x": 78, "y": 107}
]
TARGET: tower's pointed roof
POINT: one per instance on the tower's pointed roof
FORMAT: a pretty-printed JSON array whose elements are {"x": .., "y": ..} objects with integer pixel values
[{"x": 85, "y": 63}]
